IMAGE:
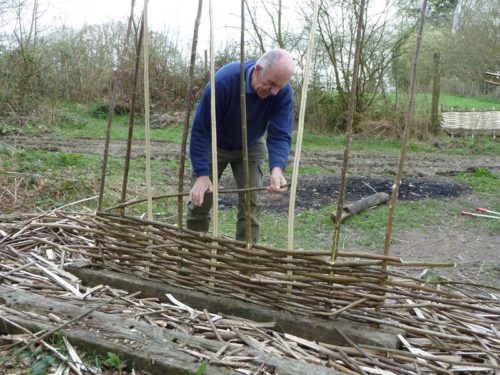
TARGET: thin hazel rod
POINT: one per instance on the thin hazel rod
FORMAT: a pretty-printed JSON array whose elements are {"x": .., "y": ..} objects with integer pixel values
[
  {"x": 186, "y": 193},
  {"x": 348, "y": 138},
  {"x": 147, "y": 129},
  {"x": 189, "y": 104},
  {"x": 244, "y": 138},
  {"x": 114, "y": 94},
  {"x": 406, "y": 133},
  {"x": 132, "y": 114},
  {"x": 300, "y": 131}
]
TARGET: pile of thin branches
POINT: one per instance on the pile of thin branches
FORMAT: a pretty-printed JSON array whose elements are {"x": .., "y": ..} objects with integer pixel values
[
  {"x": 447, "y": 329},
  {"x": 306, "y": 282}
]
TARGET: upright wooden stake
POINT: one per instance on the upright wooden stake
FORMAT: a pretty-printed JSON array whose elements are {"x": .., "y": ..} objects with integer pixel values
[
  {"x": 215, "y": 170},
  {"x": 300, "y": 133},
  {"x": 147, "y": 132},
  {"x": 436, "y": 88},
  {"x": 300, "y": 130},
  {"x": 131, "y": 122},
  {"x": 244, "y": 140},
  {"x": 116, "y": 89},
  {"x": 189, "y": 105},
  {"x": 348, "y": 137},
  {"x": 406, "y": 134}
]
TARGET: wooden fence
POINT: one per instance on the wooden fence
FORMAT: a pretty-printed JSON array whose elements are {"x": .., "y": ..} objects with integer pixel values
[{"x": 471, "y": 123}]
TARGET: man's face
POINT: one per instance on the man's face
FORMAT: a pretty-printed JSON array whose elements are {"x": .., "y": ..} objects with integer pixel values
[{"x": 268, "y": 82}]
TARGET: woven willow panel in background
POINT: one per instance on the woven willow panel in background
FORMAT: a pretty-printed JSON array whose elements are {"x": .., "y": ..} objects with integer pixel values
[{"x": 474, "y": 123}]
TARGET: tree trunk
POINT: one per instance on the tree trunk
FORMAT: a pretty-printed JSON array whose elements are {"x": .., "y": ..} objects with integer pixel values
[{"x": 436, "y": 88}]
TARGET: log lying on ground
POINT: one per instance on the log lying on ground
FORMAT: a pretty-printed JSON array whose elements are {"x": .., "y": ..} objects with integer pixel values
[
  {"x": 310, "y": 328},
  {"x": 151, "y": 348},
  {"x": 362, "y": 204}
]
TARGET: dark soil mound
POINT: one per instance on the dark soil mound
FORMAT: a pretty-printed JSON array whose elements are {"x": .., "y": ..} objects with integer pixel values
[{"x": 316, "y": 192}]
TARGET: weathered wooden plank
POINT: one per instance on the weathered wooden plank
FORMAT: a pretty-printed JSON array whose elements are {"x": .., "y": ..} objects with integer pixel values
[
  {"x": 309, "y": 328},
  {"x": 147, "y": 347}
]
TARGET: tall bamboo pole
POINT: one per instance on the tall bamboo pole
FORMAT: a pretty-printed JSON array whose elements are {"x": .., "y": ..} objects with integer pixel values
[
  {"x": 244, "y": 140},
  {"x": 131, "y": 122},
  {"x": 215, "y": 170},
  {"x": 114, "y": 94},
  {"x": 348, "y": 137},
  {"x": 189, "y": 105},
  {"x": 406, "y": 134}
]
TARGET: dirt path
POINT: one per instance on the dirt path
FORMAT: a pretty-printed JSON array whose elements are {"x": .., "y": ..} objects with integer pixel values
[
  {"x": 361, "y": 163},
  {"x": 427, "y": 176}
]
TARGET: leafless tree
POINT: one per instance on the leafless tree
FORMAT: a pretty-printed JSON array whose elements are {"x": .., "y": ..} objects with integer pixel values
[
  {"x": 269, "y": 28},
  {"x": 380, "y": 41}
]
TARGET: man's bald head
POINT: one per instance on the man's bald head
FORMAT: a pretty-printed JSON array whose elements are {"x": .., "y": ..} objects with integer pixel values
[{"x": 273, "y": 71}]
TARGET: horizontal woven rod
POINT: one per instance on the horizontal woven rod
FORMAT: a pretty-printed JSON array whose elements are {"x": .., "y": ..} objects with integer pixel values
[
  {"x": 368, "y": 256},
  {"x": 423, "y": 264},
  {"x": 309, "y": 254},
  {"x": 206, "y": 237},
  {"x": 453, "y": 299},
  {"x": 183, "y": 194}
]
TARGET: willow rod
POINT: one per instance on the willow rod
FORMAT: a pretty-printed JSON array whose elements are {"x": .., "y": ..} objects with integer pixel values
[
  {"x": 132, "y": 115},
  {"x": 350, "y": 120},
  {"x": 116, "y": 88},
  {"x": 186, "y": 193},
  {"x": 406, "y": 133},
  {"x": 189, "y": 105},
  {"x": 298, "y": 150},
  {"x": 300, "y": 131}
]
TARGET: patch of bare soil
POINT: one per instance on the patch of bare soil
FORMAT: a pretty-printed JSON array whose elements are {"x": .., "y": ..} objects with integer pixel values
[
  {"x": 426, "y": 176},
  {"x": 319, "y": 191}
]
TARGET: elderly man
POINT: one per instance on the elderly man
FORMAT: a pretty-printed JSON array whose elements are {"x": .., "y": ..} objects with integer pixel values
[{"x": 269, "y": 103}]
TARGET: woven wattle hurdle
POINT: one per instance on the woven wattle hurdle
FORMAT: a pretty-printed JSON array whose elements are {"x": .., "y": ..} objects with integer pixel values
[
  {"x": 473, "y": 123},
  {"x": 260, "y": 274}
]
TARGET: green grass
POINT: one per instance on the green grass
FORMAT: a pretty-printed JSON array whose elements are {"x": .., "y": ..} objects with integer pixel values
[
  {"x": 469, "y": 103},
  {"x": 84, "y": 121},
  {"x": 313, "y": 229},
  {"x": 482, "y": 180},
  {"x": 97, "y": 128},
  {"x": 438, "y": 145},
  {"x": 59, "y": 178}
]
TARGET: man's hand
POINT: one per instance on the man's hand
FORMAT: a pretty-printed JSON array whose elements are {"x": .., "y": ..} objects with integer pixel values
[
  {"x": 200, "y": 187},
  {"x": 278, "y": 181}
]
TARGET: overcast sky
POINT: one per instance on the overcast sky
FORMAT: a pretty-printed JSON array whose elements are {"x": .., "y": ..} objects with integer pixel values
[
  {"x": 174, "y": 15},
  {"x": 161, "y": 12}
]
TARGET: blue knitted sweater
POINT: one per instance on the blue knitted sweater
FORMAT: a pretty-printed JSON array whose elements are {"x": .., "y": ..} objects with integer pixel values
[{"x": 273, "y": 115}]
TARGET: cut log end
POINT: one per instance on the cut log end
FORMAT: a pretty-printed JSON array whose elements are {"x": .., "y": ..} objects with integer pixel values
[{"x": 354, "y": 207}]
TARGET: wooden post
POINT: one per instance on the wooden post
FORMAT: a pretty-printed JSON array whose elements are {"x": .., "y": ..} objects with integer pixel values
[
  {"x": 189, "y": 101},
  {"x": 348, "y": 134},
  {"x": 436, "y": 88},
  {"x": 131, "y": 122},
  {"x": 244, "y": 135},
  {"x": 406, "y": 135}
]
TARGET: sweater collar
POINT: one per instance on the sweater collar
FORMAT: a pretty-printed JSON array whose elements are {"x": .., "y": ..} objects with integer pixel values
[{"x": 248, "y": 78}]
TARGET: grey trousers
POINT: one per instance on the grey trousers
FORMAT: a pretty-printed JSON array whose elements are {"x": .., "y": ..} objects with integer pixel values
[{"x": 198, "y": 217}]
